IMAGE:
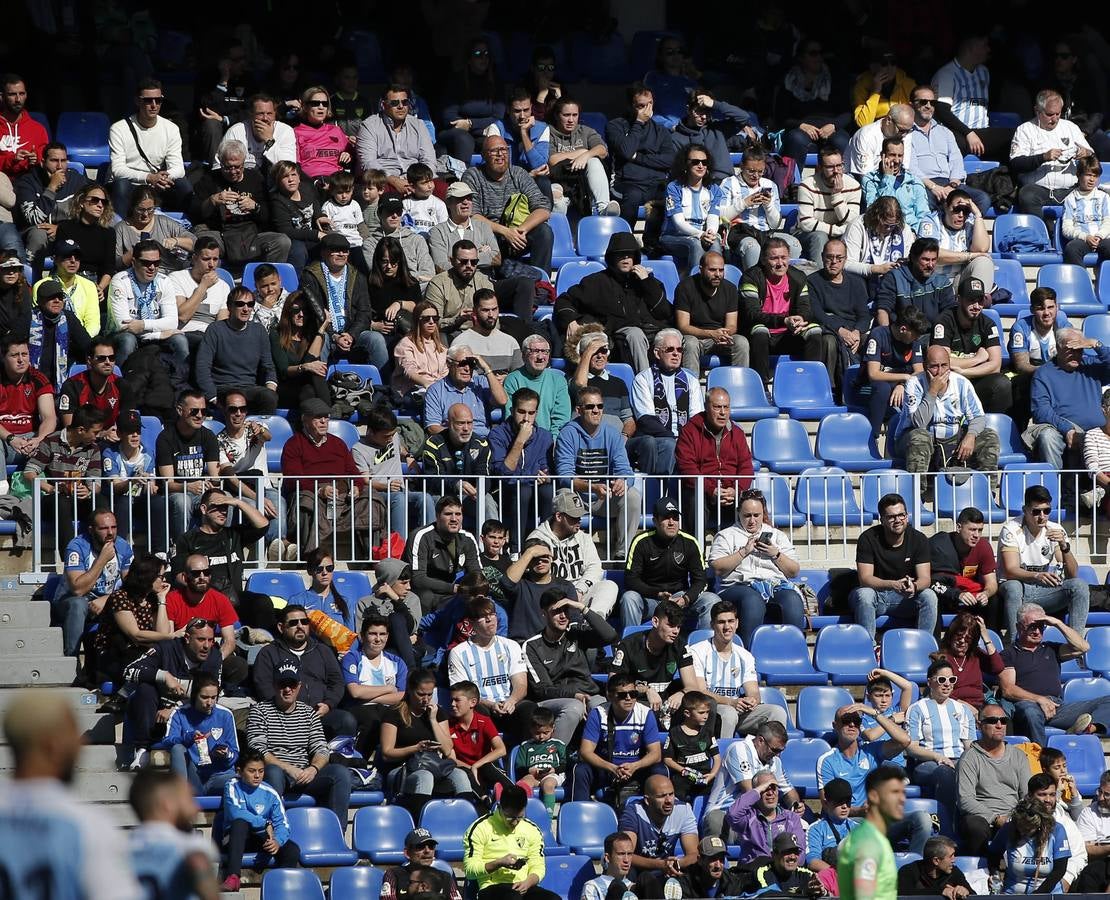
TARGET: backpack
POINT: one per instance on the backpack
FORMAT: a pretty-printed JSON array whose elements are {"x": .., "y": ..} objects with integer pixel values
[
  {"x": 350, "y": 392},
  {"x": 1000, "y": 184},
  {"x": 782, "y": 170},
  {"x": 149, "y": 383}
]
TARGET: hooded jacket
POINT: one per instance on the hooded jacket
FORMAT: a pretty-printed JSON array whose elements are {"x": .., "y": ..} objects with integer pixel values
[
  {"x": 562, "y": 669},
  {"x": 321, "y": 678},
  {"x": 714, "y": 136},
  {"x": 314, "y": 283},
  {"x": 698, "y": 452},
  {"x": 35, "y": 204},
  {"x": 573, "y": 559}
]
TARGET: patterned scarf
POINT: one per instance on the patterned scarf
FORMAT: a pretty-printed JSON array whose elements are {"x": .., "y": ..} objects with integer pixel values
[
  {"x": 146, "y": 300},
  {"x": 61, "y": 343},
  {"x": 337, "y": 292},
  {"x": 681, "y": 399}
]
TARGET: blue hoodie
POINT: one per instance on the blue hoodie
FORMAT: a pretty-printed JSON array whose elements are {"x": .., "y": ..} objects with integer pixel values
[
  {"x": 219, "y": 727},
  {"x": 536, "y": 455},
  {"x": 601, "y": 455},
  {"x": 258, "y": 807}
]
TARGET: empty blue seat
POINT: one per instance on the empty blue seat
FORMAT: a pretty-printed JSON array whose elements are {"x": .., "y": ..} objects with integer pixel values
[
  {"x": 562, "y": 250},
  {"x": 799, "y": 763},
  {"x": 570, "y": 273},
  {"x": 1085, "y": 760},
  {"x": 537, "y": 813},
  {"x": 665, "y": 271},
  {"x": 594, "y": 233},
  {"x": 448, "y": 820},
  {"x": 775, "y": 696},
  {"x": 319, "y": 835},
  {"x": 1079, "y": 689},
  {"x": 276, "y": 584},
  {"x": 803, "y": 390},
  {"x": 566, "y": 877},
  {"x": 817, "y": 706},
  {"x": 1074, "y": 291},
  {"x": 1009, "y": 274},
  {"x": 355, "y": 883},
  {"x": 782, "y": 445},
  {"x": 1098, "y": 657},
  {"x": 341, "y": 428},
  {"x": 776, "y": 493},
  {"x": 1102, "y": 281},
  {"x": 1097, "y": 327},
  {"x": 824, "y": 495},
  {"x": 845, "y": 440},
  {"x": 354, "y": 585},
  {"x": 280, "y": 432},
  {"x": 584, "y": 825},
  {"x": 1005, "y": 225},
  {"x": 974, "y": 491},
  {"x": 85, "y": 135},
  {"x": 846, "y": 653},
  {"x": 906, "y": 651},
  {"x": 1013, "y": 450},
  {"x": 782, "y": 656},
  {"x": 291, "y": 884},
  {"x": 746, "y": 395},
  {"x": 875, "y": 485},
  {"x": 1017, "y": 478},
  {"x": 286, "y": 271}
]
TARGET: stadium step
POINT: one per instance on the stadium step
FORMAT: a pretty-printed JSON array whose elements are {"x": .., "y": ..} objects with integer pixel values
[
  {"x": 37, "y": 642},
  {"x": 30, "y": 671},
  {"x": 97, "y": 758},
  {"x": 20, "y": 612}
]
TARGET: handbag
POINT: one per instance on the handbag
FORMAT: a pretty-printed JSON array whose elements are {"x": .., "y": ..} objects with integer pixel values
[{"x": 430, "y": 761}]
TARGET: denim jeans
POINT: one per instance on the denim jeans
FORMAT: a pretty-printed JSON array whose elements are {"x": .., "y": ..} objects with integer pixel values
[
  {"x": 635, "y": 607},
  {"x": 182, "y": 764},
  {"x": 917, "y": 827},
  {"x": 940, "y": 779},
  {"x": 70, "y": 611},
  {"x": 1029, "y": 718},
  {"x": 753, "y": 607},
  {"x": 1074, "y": 595},
  {"x": 868, "y": 604},
  {"x": 331, "y": 787}
]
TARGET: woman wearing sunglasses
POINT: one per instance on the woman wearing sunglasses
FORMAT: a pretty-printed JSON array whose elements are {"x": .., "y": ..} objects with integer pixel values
[
  {"x": 91, "y": 228},
  {"x": 322, "y": 147},
  {"x": 421, "y": 355},
  {"x": 940, "y": 729},
  {"x": 970, "y": 659},
  {"x": 322, "y": 594}
]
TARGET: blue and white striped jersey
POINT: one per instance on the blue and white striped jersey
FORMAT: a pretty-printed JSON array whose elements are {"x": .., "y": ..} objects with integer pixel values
[
  {"x": 742, "y": 763},
  {"x": 957, "y": 406},
  {"x": 967, "y": 92},
  {"x": 695, "y": 206},
  {"x": 164, "y": 858},
  {"x": 940, "y": 727},
  {"x": 491, "y": 668},
  {"x": 723, "y": 675}
]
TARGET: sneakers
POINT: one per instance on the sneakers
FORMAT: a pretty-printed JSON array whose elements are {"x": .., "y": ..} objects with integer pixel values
[
  {"x": 274, "y": 551},
  {"x": 1092, "y": 498},
  {"x": 672, "y": 889},
  {"x": 231, "y": 884},
  {"x": 1081, "y": 725},
  {"x": 142, "y": 757},
  {"x": 292, "y": 552},
  {"x": 612, "y": 208}
]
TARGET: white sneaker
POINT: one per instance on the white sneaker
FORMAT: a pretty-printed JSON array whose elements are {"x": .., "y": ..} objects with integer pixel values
[
  {"x": 291, "y": 551},
  {"x": 1092, "y": 498},
  {"x": 561, "y": 205},
  {"x": 672, "y": 889},
  {"x": 1081, "y": 724},
  {"x": 142, "y": 757},
  {"x": 612, "y": 208},
  {"x": 273, "y": 552}
]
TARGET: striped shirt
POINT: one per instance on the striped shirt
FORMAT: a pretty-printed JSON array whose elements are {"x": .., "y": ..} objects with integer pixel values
[
  {"x": 968, "y": 93},
  {"x": 293, "y": 737},
  {"x": 1086, "y": 214},
  {"x": 631, "y": 738},
  {"x": 724, "y": 675},
  {"x": 825, "y": 210},
  {"x": 491, "y": 668},
  {"x": 940, "y": 728},
  {"x": 386, "y": 670},
  {"x": 742, "y": 763},
  {"x": 700, "y": 208},
  {"x": 1024, "y": 338},
  {"x": 735, "y": 191},
  {"x": 952, "y": 410},
  {"x": 957, "y": 240}
]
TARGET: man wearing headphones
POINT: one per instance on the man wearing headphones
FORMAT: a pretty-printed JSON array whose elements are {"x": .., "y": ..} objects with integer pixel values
[{"x": 392, "y": 141}]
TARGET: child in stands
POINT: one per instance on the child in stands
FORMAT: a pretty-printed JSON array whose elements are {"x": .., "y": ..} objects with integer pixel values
[
  {"x": 690, "y": 752},
  {"x": 542, "y": 761}
]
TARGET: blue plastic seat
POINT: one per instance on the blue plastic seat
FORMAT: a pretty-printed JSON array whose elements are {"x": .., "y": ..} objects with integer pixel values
[
  {"x": 355, "y": 883},
  {"x": 874, "y": 485},
  {"x": 783, "y": 446},
  {"x": 537, "y": 813},
  {"x": 562, "y": 250},
  {"x": 353, "y": 585},
  {"x": 975, "y": 491},
  {"x": 774, "y": 696},
  {"x": 845, "y": 440},
  {"x": 1013, "y": 450},
  {"x": 570, "y": 273},
  {"x": 584, "y": 825},
  {"x": 341, "y": 428},
  {"x": 319, "y": 835},
  {"x": 1102, "y": 281},
  {"x": 1021, "y": 476},
  {"x": 1097, "y": 327},
  {"x": 1009, "y": 274},
  {"x": 817, "y": 708},
  {"x": 941, "y": 814},
  {"x": 1079, "y": 689},
  {"x": 845, "y": 652},
  {"x": 1008, "y": 222},
  {"x": 1098, "y": 657},
  {"x": 906, "y": 651},
  {"x": 746, "y": 394},
  {"x": 276, "y": 584},
  {"x": 567, "y": 876},
  {"x": 665, "y": 271},
  {"x": 85, "y": 135},
  {"x": 776, "y": 492},
  {"x": 1073, "y": 669},
  {"x": 1074, "y": 291},
  {"x": 280, "y": 432},
  {"x": 1085, "y": 760},
  {"x": 594, "y": 233},
  {"x": 226, "y": 277},
  {"x": 799, "y": 763},
  {"x": 803, "y": 390},
  {"x": 824, "y": 495},
  {"x": 994, "y": 316},
  {"x": 286, "y": 271},
  {"x": 624, "y": 372},
  {"x": 448, "y": 820},
  {"x": 904, "y": 859},
  {"x": 782, "y": 656},
  {"x": 291, "y": 884}
]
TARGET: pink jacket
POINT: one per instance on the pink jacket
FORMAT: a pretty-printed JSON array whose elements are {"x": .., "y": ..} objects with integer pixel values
[
  {"x": 411, "y": 361},
  {"x": 318, "y": 149}
]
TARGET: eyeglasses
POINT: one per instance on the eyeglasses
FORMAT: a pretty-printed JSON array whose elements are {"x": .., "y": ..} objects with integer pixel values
[
  {"x": 145, "y": 210},
  {"x": 625, "y": 695},
  {"x": 539, "y": 351},
  {"x": 894, "y": 517},
  {"x": 149, "y": 263},
  {"x": 343, "y": 251},
  {"x": 498, "y": 151},
  {"x": 197, "y": 573},
  {"x": 468, "y": 263},
  {"x": 602, "y": 351},
  {"x": 670, "y": 349},
  {"x": 593, "y": 406},
  {"x": 292, "y": 623},
  {"x": 923, "y": 102},
  {"x": 429, "y": 318},
  {"x": 99, "y": 201},
  {"x": 479, "y": 53},
  {"x": 199, "y": 622},
  {"x": 152, "y": 101},
  {"x": 320, "y": 570},
  {"x": 296, "y": 309},
  {"x": 396, "y": 104},
  {"x": 104, "y": 357},
  {"x": 944, "y": 679},
  {"x": 1041, "y": 511},
  {"x": 852, "y": 720},
  {"x": 239, "y": 304},
  {"x": 994, "y": 720},
  {"x": 544, "y": 67},
  {"x": 1039, "y": 625},
  {"x": 386, "y": 263},
  {"x": 196, "y": 413},
  {"x": 748, "y": 171},
  {"x": 699, "y": 161},
  {"x": 317, "y": 103},
  {"x": 235, "y": 409}
]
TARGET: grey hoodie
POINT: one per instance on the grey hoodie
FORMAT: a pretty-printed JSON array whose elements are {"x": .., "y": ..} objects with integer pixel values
[
  {"x": 414, "y": 245},
  {"x": 990, "y": 787}
]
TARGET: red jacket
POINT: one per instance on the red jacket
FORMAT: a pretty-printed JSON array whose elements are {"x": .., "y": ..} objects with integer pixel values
[
  {"x": 300, "y": 457},
  {"x": 22, "y": 134},
  {"x": 697, "y": 453}
]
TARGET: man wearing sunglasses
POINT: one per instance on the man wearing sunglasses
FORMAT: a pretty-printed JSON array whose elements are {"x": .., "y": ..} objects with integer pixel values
[
  {"x": 990, "y": 780},
  {"x": 234, "y": 355},
  {"x": 142, "y": 306},
  {"x": 392, "y": 140},
  {"x": 193, "y": 597},
  {"x": 145, "y": 148},
  {"x": 937, "y": 159},
  {"x": 56, "y": 335},
  {"x": 1031, "y": 679}
]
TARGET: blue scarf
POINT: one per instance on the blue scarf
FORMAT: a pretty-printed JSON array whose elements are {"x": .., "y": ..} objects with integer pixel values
[
  {"x": 681, "y": 399},
  {"x": 146, "y": 301},
  {"x": 61, "y": 344},
  {"x": 337, "y": 300}
]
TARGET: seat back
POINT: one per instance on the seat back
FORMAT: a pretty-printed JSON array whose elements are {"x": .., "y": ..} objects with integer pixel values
[
  {"x": 781, "y": 440},
  {"x": 341, "y": 428},
  {"x": 845, "y": 651},
  {"x": 744, "y": 386},
  {"x": 367, "y": 372},
  {"x": 316, "y": 829},
  {"x": 566, "y": 876},
  {"x": 624, "y": 372},
  {"x": 584, "y": 823},
  {"x": 291, "y": 884},
  {"x": 1009, "y": 274},
  {"x": 570, "y": 273},
  {"x": 906, "y": 651},
  {"x": 1072, "y": 284},
  {"x": 799, "y": 763},
  {"x": 1005, "y": 224},
  {"x": 800, "y": 384},
  {"x": 448, "y": 820},
  {"x": 780, "y": 649},
  {"x": 665, "y": 271},
  {"x": 353, "y": 585},
  {"x": 1098, "y": 657},
  {"x": 356, "y": 883},
  {"x": 1015, "y": 482},
  {"x": 817, "y": 706},
  {"x": 379, "y": 833},
  {"x": 594, "y": 233},
  {"x": 843, "y": 436},
  {"x": 827, "y": 491},
  {"x": 562, "y": 249},
  {"x": 276, "y": 584},
  {"x": 1097, "y": 327},
  {"x": 1008, "y": 435}
]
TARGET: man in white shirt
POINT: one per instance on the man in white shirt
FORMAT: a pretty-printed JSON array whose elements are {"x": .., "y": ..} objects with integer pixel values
[
  {"x": 201, "y": 293},
  {"x": 665, "y": 397},
  {"x": 266, "y": 139},
  {"x": 866, "y": 145},
  {"x": 143, "y": 306},
  {"x": 1094, "y": 827},
  {"x": 1043, "y": 155},
  {"x": 146, "y": 149}
]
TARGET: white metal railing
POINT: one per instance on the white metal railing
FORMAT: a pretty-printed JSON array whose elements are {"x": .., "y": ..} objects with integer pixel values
[{"x": 821, "y": 512}]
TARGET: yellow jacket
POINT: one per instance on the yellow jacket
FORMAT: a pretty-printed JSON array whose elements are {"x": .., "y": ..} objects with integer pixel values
[
  {"x": 82, "y": 297},
  {"x": 490, "y": 838},
  {"x": 869, "y": 106}
]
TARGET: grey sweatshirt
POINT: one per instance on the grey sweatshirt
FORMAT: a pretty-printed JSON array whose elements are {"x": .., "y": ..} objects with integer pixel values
[
  {"x": 229, "y": 358},
  {"x": 990, "y": 787}
]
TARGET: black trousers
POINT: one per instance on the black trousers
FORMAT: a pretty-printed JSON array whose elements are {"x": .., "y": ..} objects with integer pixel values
[
  {"x": 241, "y": 838},
  {"x": 506, "y": 892},
  {"x": 976, "y": 833}
]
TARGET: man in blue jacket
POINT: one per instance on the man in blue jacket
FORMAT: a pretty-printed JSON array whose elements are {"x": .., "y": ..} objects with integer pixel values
[
  {"x": 521, "y": 449},
  {"x": 915, "y": 283},
  {"x": 711, "y": 122},
  {"x": 642, "y": 152},
  {"x": 595, "y": 453},
  {"x": 528, "y": 139}
]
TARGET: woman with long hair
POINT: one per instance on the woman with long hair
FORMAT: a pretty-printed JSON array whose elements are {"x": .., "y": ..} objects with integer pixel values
[
  {"x": 322, "y": 146},
  {"x": 297, "y": 345},
  {"x": 394, "y": 294},
  {"x": 295, "y": 211},
  {"x": 421, "y": 355},
  {"x": 91, "y": 227},
  {"x": 133, "y": 618},
  {"x": 144, "y": 221},
  {"x": 1030, "y": 852},
  {"x": 693, "y": 208},
  {"x": 878, "y": 240},
  {"x": 478, "y": 102},
  {"x": 322, "y": 594},
  {"x": 15, "y": 295},
  {"x": 540, "y": 81},
  {"x": 960, "y": 646},
  {"x": 940, "y": 730}
]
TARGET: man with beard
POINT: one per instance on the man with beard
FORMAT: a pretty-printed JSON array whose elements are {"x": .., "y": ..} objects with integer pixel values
[{"x": 708, "y": 877}]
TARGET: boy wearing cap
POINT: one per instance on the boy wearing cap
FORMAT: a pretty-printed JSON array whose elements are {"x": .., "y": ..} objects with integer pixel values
[
  {"x": 81, "y": 296},
  {"x": 827, "y": 832},
  {"x": 419, "y": 850},
  {"x": 975, "y": 345}
]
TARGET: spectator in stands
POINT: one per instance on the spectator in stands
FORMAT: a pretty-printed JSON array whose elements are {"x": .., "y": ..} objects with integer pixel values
[
  {"x": 203, "y": 723},
  {"x": 141, "y": 217},
  {"x": 26, "y": 139},
  {"x": 895, "y": 577},
  {"x": 664, "y": 831},
  {"x": 494, "y": 183},
  {"x": 937, "y": 159},
  {"x": 1086, "y": 219},
  {"x": 43, "y": 197},
  {"x": 475, "y": 103},
  {"x": 574, "y": 162},
  {"x": 144, "y": 306},
  {"x": 290, "y": 735},
  {"x": 756, "y": 815},
  {"x": 340, "y": 298},
  {"x": 56, "y": 335},
  {"x": 518, "y": 872},
  {"x": 81, "y": 298},
  {"x": 917, "y": 284},
  {"x": 755, "y": 562},
  {"x": 15, "y": 295},
  {"x": 866, "y": 147},
  {"x": 642, "y": 152},
  {"x": 90, "y": 226},
  {"x": 665, "y": 564},
  {"x": 394, "y": 292},
  {"x": 267, "y": 140},
  {"x": 626, "y": 298},
  {"x": 1092, "y": 824},
  {"x": 877, "y": 241},
  {"x": 391, "y": 211},
  {"x": 592, "y": 455},
  {"x": 692, "y": 208},
  {"x": 963, "y": 576},
  {"x": 1081, "y": 89},
  {"x": 711, "y": 445},
  {"x": 620, "y": 746},
  {"x": 882, "y": 88},
  {"x": 145, "y": 148},
  {"x": 322, "y": 146},
  {"x": 1096, "y": 456},
  {"x": 375, "y": 678},
  {"x": 478, "y": 392},
  {"x": 523, "y": 584},
  {"x": 658, "y": 659},
  {"x": 193, "y": 597},
  {"x": 1032, "y": 828},
  {"x": 839, "y": 303},
  {"x": 234, "y": 355},
  {"x": 130, "y": 470},
  {"x": 454, "y": 461},
  {"x": 750, "y": 203},
  {"x": 202, "y": 295},
  {"x": 961, "y": 233},
  {"x": 940, "y": 729},
  {"x": 810, "y": 117},
  {"x": 828, "y": 200},
  {"x": 96, "y": 562},
  {"x": 378, "y": 456},
  {"x": 452, "y": 292},
  {"x": 1044, "y": 155},
  {"x": 963, "y": 99},
  {"x": 540, "y": 81},
  {"x": 775, "y": 311},
  {"x": 537, "y": 374},
  {"x": 27, "y": 413},
  {"x": 892, "y": 359},
  {"x": 709, "y": 124},
  {"x": 528, "y": 137},
  {"x": 231, "y": 203},
  {"x": 890, "y": 179},
  {"x": 297, "y": 348},
  {"x": 244, "y": 465},
  {"x": 186, "y": 453},
  {"x": 439, "y": 553},
  {"x": 1065, "y": 398},
  {"x": 974, "y": 346},
  {"x": 461, "y": 224},
  {"x": 485, "y": 337},
  {"x": 296, "y": 213},
  {"x": 1044, "y": 788},
  {"x": 935, "y": 873},
  {"x": 392, "y": 141},
  {"x": 824, "y": 836},
  {"x": 420, "y": 851},
  {"x": 705, "y": 310},
  {"x": 961, "y": 641},
  {"x": 665, "y": 397},
  {"x": 522, "y": 452}
]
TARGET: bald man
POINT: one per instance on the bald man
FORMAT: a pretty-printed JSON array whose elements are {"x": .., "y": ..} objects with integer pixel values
[
  {"x": 706, "y": 311},
  {"x": 942, "y": 422},
  {"x": 664, "y": 831},
  {"x": 54, "y": 845},
  {"x": 458, "y": 456}
]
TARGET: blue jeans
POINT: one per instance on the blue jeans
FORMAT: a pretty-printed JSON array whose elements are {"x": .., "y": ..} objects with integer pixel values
[
  {"x": 10, "y": 240},
  {"x": 687, "y": 250},
  {"x": 1029, "y": 718},
  {"x": 420, "y": 509},
  {"x": 182, "y": 764},
  {"x": 753, "y": 607},
  {"x": 70, "y": 611},
  {"x": 1049, "y": 445},
  {"x": 331, "y": 788},
  {"x": 868, "y": 604},
  {"x": 276, "y": 498},
  {"x": 635, "y": 607},
  {"x": 1074, "y": 595},
  {"x": 652, "y": 455},
  {"x": 940, "y": 779},
  {"x": 127, "y": 343},
  {"x": 917, "y": 827},
  {"x": 371, "y": 346}
]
